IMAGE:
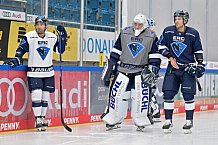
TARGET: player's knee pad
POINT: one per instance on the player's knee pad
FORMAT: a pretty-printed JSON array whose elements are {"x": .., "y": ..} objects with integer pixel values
[
  {"x": 49, "y": 84},
  {"x": 45, "y": 97},
  {"x": 140, "y": 103},
  {"x": 188, "y": 84},
  {"x": 36, "y": 96},
  {"x": 116, "y": 105},
  {"x": 188, "y": 96},
  {"x": 168, "y": 100},
  {"x": 169, "y": 95},
  {"x": 189, "y": 101}
]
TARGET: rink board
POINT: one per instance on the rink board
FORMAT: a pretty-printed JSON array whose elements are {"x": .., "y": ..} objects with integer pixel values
[{"x": 84, "y": 97}]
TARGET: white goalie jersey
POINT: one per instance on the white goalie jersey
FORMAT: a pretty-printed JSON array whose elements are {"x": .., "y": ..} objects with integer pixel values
[{"x": 40, "y": 54}]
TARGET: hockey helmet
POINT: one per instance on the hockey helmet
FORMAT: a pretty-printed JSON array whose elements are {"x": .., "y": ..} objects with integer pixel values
[
  {"x": 183, "y": 14},
  {"x": 40, "y": 19}
]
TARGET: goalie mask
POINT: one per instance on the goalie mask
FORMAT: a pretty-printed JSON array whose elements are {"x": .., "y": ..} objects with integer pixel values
[{"x": 139, "y": 23}]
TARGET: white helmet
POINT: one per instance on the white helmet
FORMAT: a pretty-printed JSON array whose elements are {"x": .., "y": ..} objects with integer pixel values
[{"x": 140, "y": 18}]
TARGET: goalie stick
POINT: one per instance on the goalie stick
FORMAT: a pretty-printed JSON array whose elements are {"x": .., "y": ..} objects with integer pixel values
[{"x": 61, "y": 89}]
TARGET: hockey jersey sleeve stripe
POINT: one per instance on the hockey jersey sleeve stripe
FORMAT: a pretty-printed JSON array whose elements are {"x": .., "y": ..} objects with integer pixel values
[
  {"x": 116, "y": 51},
  {"x": 161, "y": 47},
  {"x": 156, "y": 55},
  {"x": 190, "y": 34},
  {"x": 200, "y": 51}
]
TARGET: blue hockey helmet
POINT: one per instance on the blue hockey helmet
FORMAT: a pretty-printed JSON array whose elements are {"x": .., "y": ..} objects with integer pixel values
[
  {"x": 183, "y": 14},
  {"x": 151, "y": 22},
  {"x": 40, "y": 19}
]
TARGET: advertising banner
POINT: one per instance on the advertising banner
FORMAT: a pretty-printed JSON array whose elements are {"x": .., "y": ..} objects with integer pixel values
[
  {"x": 96, "y": 42},
  {"x": 4, "y": 34},
  {"x": 19, "y": 29},
  {"x": 15, "y": 101},
  {"x": 12, "y": 15}
]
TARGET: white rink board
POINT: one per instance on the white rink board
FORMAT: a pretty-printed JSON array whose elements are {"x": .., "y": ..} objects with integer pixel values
[{"x": 95, "y": 42}]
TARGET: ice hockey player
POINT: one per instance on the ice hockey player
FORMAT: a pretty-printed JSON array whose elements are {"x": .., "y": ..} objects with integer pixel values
[
  {"x": 40, "y": 45},
  {"x": 181, "y": 44},
  {"x": 137, "y": 72},
  {"x": 155, "y": 110}
]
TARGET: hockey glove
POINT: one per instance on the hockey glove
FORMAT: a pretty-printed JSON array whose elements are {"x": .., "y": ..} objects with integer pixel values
[
  {"x": 150, "y": 76},
  {"x": 63, "y": 34},
  {"x": 200, "y": 69},
  {"x": 109, "y": 70},
  {"x": 13, "y": 62},
  {"x": 195, "y": 70}
]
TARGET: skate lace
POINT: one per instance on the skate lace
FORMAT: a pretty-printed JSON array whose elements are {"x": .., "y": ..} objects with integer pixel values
[
  {"x": 188, "y": 123},
  {"x": 39, "y": 120},
  {"x": 44, "y": 121},
  {"x": 167, "y": 122}
]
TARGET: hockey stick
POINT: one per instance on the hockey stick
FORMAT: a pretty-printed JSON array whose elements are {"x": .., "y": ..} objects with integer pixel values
[
  {"x": 61, "y": 89},
  {"x": 198, "y": 84}
]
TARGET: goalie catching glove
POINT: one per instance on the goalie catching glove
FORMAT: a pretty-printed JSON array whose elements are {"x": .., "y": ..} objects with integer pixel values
[
  {"x": 109, "y": 70},
  {"x": 150, "y": 75}
]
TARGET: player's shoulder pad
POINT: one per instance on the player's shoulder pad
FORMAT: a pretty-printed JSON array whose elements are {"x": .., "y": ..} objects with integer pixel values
[
  {"x": 126, "y": 29},
  {"x": 50, "y": 34},
  {"x": 31, "y": 34},
  {"x": 169, "y": 29},
  {"x": 191, "y": 31}
]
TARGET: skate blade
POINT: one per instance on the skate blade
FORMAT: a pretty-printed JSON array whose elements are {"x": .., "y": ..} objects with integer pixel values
[
  {"x": 39, "y": 129},
  {"x": 167, "y": 131},
  {"x": 43, "y": 128},
  {"x": 140, "y": 129},
  {"x": 113, "y": 128},
  {"x": 187, "y": 131}
]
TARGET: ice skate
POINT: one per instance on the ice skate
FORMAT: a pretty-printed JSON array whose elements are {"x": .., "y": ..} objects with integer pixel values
[
  {"x": 167, "y": 127},
  {"x": 39, "y": 123},
  {"x": 44, "y": 124},
  {"x": 187, "y": 126},
  {"x": 112, "y": 127},
  {"x": 156, "y": 117},
  {"x": 140, "y": 128}
]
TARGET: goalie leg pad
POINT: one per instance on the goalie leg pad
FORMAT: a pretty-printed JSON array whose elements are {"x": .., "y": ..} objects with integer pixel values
[
  {"x": 116, "y": 106},
  {"x": 154, "y": 105},
  {"x": 140, "y": 103}
]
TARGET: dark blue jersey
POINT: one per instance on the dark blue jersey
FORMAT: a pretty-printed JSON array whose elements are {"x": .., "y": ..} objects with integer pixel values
[{"x": 184, "y": 47}]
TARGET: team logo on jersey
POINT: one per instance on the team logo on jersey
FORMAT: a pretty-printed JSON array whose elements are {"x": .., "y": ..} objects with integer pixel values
[
  {"x": 178, "y": 48},
  {"x": 135, "y": 48},
  {"x": 43, "y": 51}
]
